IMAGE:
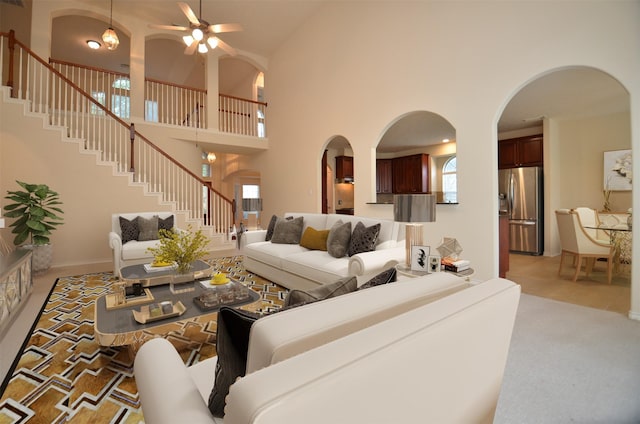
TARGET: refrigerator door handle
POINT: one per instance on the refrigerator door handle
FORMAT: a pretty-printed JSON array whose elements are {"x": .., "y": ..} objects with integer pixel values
[{"x": 511, "y": 193}]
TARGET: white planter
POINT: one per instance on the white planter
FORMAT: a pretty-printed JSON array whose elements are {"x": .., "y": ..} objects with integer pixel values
[{"x": 42, "y": 257}]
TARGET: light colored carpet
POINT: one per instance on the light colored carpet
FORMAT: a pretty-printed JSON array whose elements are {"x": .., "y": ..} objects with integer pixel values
[{"x": 571, "y": 364}]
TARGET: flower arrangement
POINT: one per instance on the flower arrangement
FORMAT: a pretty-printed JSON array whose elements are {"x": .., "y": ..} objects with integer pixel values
[{"x": 180, "y": 248}]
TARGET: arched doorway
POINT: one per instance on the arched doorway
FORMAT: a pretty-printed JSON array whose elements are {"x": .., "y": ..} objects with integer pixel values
[
  {"x": 580, "y": 113},
  {"x": 338, "y": 177}
]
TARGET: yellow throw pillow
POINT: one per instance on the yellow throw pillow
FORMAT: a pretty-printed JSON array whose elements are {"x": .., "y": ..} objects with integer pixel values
[{"x": 314, "y": 239}]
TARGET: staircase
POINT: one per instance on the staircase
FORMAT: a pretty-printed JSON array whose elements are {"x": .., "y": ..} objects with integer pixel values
[{"x": 65, "y": 108}]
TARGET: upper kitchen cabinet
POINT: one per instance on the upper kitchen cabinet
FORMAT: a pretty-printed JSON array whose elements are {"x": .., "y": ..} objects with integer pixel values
[
  {"x": 384, "y": 176},
  {"x": 411, "y": 174},
  {"x": 522, "y": 151},
  {"x": 344, "y": 168}
]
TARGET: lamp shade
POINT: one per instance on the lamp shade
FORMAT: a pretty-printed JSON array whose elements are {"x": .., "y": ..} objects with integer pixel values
[
  {"x": 414, "y": 207},
  {"x": 251, "y": 205}
]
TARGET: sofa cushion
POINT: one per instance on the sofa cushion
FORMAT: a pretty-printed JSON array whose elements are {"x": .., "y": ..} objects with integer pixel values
[
  {"x": 338, "y": 239},
  {"x": 129, "y": 229},
  {"x": 325, "y": 291},
  {"x": 363, "y": 239},
  {"x": 166, "y": 223},
  {"x": 316, "y": 265},
  {"x": 288, "y": 231},
  {"x": 135, "y": 250},
  {"x": 314, "y": 239},
  {"x": 385, "y": 277},
  {"x": 232, "y": 343},
  {"x": 147, "y": 228}
]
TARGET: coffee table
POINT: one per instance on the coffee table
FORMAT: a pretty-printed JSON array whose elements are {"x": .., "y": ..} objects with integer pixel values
[
  {"x": 117, "y": 326},
  {"x": 137, "y": 273}
]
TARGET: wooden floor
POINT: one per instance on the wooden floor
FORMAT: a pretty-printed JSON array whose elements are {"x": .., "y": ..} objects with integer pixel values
[{"x": 538, "y": 275}]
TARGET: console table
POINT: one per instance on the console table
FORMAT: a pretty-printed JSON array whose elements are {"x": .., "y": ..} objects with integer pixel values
[{"x": 15, "y": 284}]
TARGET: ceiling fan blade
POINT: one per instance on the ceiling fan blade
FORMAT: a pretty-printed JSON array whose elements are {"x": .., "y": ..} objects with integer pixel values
[
  {"x": 169, "y": 27},
  {"x": 227, "y": 48},
  {"x": 218, "y": 28},
  {"x": 191, "y": 49},
  {"x": 186, "y": 9}
]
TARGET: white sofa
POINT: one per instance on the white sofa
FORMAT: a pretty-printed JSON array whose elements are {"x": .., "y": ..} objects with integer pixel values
[
  {"x": 425, "y": 350},
  {"x": 296, "y": 267},
  {"x": 133, "y": 252}
]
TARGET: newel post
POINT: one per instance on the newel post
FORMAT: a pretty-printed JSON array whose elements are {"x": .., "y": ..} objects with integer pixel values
[
  {"x": 132, "y": 137},
  {"x": 12, "y": 48}
]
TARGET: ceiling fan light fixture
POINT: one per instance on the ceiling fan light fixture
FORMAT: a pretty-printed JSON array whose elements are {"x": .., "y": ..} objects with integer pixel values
[
  {"x": 202, "y": 48},
  {"x": 197, "y": 34},
  {"x": 213, "y": 42},
  {"x": 188, "y": 40}
]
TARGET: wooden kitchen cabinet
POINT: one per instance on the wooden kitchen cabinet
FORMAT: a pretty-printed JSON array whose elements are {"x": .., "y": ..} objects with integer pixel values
[
  {"x": 384, "y": 176},
  {"x": 411, "y": 174},
  {"x": 344, "y": 167},
  {"x": 522, "y": 151}
]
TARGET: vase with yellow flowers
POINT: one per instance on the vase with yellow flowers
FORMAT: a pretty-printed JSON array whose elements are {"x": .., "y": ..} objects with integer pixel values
[{"x": 180, "y": 248}]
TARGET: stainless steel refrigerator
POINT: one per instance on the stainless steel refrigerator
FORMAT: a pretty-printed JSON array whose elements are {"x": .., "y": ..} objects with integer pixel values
[{"x": 520, "y": 192}]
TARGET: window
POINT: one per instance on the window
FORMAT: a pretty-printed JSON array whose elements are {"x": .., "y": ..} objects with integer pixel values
[
  {"x": 150, "y": 111},
  {"x": 450, "y": 181},
  {"x": 250, "y": 191},
  {"x": 121, "y": 104},
  {"x": 100, "y": 97}
]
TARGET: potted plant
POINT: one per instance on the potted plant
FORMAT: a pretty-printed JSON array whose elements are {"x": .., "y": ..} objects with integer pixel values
[
  {"x": 36, "y": 208},
  {"x": 180, "y": 248}
]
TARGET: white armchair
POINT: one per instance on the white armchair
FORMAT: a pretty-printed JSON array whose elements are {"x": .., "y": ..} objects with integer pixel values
[{"x": 132, "y": 252}]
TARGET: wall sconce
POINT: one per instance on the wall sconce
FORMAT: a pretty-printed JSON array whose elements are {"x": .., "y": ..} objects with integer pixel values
[
  {"x": 413, "y": 209},
  {"x": 109, "y": 37}
]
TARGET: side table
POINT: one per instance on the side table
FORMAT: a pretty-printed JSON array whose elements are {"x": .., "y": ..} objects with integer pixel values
[{"x": 405, "y": 271}]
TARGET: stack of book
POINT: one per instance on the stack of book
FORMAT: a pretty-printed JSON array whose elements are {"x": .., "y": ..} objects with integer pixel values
[{"x": 457, "y": 265}]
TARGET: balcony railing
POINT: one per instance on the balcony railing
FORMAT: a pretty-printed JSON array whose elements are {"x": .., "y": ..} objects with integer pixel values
[
  {"x": 167, "y": 103},
  {"x": 48, "y": 91}
]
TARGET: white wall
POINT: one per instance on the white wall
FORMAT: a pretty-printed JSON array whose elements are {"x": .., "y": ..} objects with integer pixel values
[{"x": 356, "y": 66}]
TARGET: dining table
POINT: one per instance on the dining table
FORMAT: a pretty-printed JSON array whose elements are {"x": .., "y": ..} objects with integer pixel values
[{"x": 620, "y": 237}]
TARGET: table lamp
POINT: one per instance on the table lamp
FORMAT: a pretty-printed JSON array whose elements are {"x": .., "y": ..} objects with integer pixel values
[{"x": 413, "y": 209}]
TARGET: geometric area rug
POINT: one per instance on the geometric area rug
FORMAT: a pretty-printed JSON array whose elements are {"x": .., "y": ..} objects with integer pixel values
[{"x": 62, "y": 374}]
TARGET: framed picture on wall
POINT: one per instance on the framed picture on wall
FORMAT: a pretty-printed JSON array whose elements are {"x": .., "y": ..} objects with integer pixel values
[
  {"x": 617, "y": 170},
  {"x": 420, "y": 258}
]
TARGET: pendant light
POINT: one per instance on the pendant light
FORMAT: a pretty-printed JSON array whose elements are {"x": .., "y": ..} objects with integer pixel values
[{"x": 110, "y": 37}]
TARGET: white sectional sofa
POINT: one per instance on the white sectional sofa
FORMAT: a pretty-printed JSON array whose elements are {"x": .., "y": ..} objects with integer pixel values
[
  {"x": 426, "y": 350},
  {"x": 132, "y": 252},
  {"x": 296, "y": 267}
]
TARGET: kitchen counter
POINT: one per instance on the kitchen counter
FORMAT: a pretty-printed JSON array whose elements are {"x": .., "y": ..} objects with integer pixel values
[{"x": 345, "y": 211}]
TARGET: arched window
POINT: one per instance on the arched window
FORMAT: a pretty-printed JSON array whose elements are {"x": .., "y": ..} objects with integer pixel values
[{"x": 450, "y": 180}]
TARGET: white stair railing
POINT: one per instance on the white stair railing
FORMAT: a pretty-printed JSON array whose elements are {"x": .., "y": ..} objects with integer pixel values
[{"x": 49, "y": 92}]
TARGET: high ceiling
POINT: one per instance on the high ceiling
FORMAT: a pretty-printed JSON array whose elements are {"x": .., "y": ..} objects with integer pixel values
[{"x": 562, "y": 94}]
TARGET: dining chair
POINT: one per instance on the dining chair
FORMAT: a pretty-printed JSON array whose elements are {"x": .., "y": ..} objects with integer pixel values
[
  {"x": 589, "y": 218},
  {"x": 574, "y": 240}
]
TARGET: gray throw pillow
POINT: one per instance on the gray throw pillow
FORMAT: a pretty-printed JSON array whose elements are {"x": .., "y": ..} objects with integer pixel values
[
  {"x": 232, "y": 345},
  {"x": 363, "y": 239},
  {"x": 288, "y": 231},
  {"x": 338, "y": 239},
  {"x": 165, "y": 223},
  {"x": 148, "y": 228},
  {"x": 271, "y": 227},
  {"x": 300, "y": 297},
  {"x": 385, "y": 277},
  {"x": 129, "y": 229}
]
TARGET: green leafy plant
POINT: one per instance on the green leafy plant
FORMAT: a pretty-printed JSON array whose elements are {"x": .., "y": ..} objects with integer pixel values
[
  {"x": 180, "y": 247},
  {"x": 37, "y": 211}
]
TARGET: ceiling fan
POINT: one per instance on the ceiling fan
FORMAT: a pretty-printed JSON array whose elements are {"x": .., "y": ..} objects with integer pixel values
[{"x": 201, "y": 33}]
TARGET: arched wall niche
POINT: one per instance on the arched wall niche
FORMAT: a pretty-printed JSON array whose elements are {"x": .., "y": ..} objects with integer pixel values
[{"x": 415, "y": 132}]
